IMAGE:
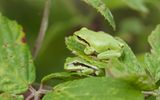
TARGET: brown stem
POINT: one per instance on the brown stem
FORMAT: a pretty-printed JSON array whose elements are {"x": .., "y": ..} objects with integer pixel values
[
  {"x": 43, "y": 28},
  {"x": 29, "y": 97},
  {"x": 37, "y": 97},
  {"x": 36, "y": 94}
]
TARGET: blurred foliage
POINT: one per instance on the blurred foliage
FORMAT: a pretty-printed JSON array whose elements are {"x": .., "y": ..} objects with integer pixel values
[{"x": 67, "y": 16}]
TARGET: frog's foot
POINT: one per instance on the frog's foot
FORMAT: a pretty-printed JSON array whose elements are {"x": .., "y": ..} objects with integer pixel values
[
  {"x": 82, "y": 74},
  {"x": 109, "y": 55}
]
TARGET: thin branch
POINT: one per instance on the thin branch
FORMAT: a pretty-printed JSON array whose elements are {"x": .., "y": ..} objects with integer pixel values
[
  {"x": 36, "y": 94},
  {"x": 149, "y": 93},
  {"x": 43, "y": 28},
  {"x": 29, "y": 97},
  {"x": 32, "y": 91}
]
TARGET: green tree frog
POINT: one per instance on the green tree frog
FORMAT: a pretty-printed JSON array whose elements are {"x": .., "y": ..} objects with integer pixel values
[
  {"x": 99, "y": 44},
  {"x": 82, "y": 67}
]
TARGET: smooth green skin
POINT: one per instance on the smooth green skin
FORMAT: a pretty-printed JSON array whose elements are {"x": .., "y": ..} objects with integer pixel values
[
  {"x": 104, "y": 45},
  {"x": 78, "y": 50},
  {"x": 82, "y": 69}
]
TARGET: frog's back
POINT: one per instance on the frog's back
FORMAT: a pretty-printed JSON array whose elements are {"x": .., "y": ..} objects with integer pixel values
[{"x": 99, "y": 40}]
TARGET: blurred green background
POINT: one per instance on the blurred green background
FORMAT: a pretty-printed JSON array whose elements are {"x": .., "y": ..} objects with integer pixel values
[{"x": 134, "y": 24}]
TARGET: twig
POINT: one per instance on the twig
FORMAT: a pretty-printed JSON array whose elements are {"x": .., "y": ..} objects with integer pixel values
[
  {"x": 149, "y": 93},
  {"x": 43, "y": 28},
  {"x": 36, "y": 94},
  {"x": 33, "y": 91},
  {"x": 29, "y": 97}
]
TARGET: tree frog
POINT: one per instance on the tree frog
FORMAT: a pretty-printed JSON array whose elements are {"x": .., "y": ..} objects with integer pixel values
[
  {"x": 82, "y": 67},
  {"x": 99, "y": 44}
]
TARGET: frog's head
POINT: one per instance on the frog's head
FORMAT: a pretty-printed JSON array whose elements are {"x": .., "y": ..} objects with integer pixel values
[
  {"x": 82, "y": 36},
  {"x": 85, "y": 37},
  {"x": 79, "y": 65}
]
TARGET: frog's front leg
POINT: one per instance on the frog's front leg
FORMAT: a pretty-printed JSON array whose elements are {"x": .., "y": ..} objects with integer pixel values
[
  {"x": 87, "y": 71},
  {"x": 109, "y": 55},
  {"x": 89, "y": 50}
]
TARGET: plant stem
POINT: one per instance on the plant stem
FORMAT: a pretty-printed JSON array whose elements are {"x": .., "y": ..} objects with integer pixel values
[
  {"x": 43, "y": 28},
  {"x": 32, "y": 90},
  {"x": 36, "y": 94},
  {"x": 29, "y": 97},
  {"x": 149, "y": 93}
]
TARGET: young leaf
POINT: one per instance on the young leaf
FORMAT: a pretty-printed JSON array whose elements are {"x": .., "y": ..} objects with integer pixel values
[
  {"x": 137, "y": 5},
  {"x": 154, "y": 40},
  {"x": 101, "y": 88},
  {"x": 153, "y": 60},
  {"x": 101, "y": 7},
  {"x": 129, "y": 59},
  {"x": 6, "y": 96},
  {"x": 16, "y": 65},
  {"x": 129, "y": 69}
]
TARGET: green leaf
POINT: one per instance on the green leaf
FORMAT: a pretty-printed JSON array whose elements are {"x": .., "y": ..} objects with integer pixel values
[
  {"x": 66, "y": 76},
  {"x": 152, "y": 60},
  {"x": 6, "y": 96},
  {"x": 103, "y": 9},
  {"x": 129, "y": 59},
  {"x": 16, "y": 65},
  {"x": 137, "y": 5},
  {"x": 151, "y": 98},
  {"x": 128, "y": 68},
  {"x": 101, "y": 88},
  {"x": 154, "y": 40}
]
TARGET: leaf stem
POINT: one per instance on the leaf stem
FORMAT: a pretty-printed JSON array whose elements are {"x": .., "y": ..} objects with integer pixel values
[
  {"x": 36, "y": 94},
  {"x": 43, "y": 28},
  {"x": 150, "y": 93}
]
